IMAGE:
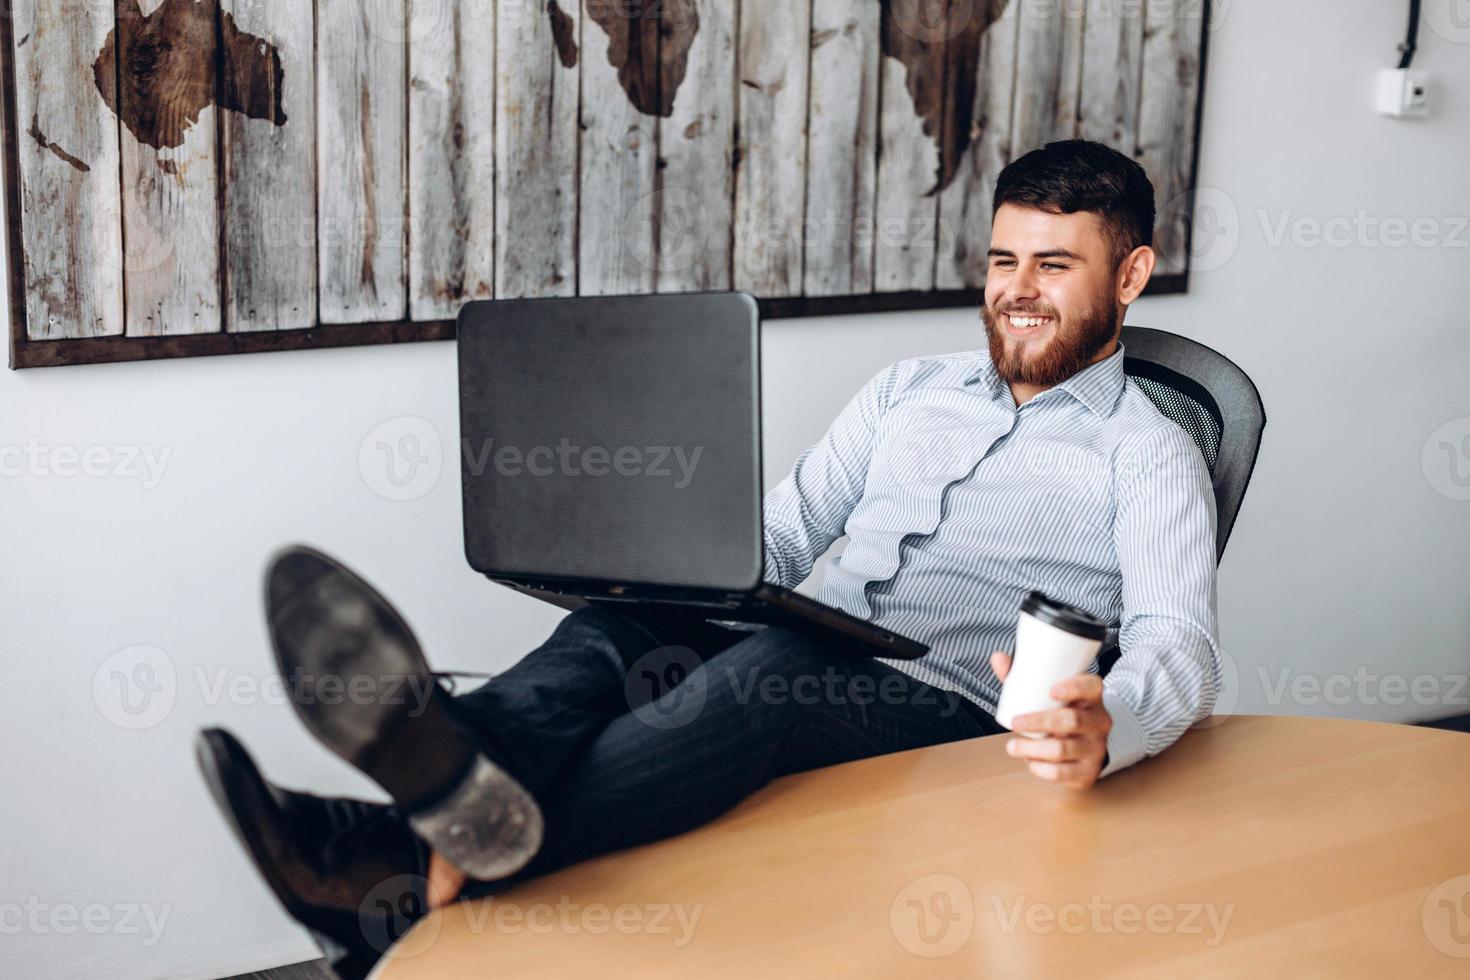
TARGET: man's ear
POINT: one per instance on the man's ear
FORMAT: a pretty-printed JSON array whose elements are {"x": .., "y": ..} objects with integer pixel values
[{"x": 1134, "y": 273}]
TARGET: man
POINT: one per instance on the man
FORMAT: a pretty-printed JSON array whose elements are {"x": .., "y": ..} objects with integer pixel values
[{"x": 962, "y": 481}]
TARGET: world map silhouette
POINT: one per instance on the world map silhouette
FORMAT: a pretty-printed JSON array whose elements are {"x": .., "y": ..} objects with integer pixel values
[
  {"x": 937, "y": 41},
  {"x": 150, "y": 72}
]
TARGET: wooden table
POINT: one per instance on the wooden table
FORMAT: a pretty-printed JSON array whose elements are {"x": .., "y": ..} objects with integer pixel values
[{"x": 1257, "y": 846}]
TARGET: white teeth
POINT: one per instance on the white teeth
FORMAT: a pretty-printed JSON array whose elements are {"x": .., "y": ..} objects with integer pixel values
[{"x": 1027, "y": 321}]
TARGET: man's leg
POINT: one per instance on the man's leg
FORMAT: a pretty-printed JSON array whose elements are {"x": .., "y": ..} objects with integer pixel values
[
  {"x": 774, "y": 703},
  {"x": 354, "y": 872},
  {"x": 600, "y": 662}
]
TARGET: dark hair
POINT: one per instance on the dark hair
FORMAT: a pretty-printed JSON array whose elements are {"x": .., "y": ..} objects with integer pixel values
[{"x": 1080, "y": 175}]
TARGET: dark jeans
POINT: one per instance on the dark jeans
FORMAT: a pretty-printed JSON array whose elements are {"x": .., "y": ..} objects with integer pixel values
[{"x": 628, "y": 729}]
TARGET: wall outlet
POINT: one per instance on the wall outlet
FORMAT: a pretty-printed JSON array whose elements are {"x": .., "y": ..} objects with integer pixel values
[{"x": 1403, "y": 92}]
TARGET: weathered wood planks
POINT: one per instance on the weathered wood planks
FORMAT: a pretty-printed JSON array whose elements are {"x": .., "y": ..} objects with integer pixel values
[
  {"x": 1111, "y": 69},
  {"x": 260, "y": 167},
  {"x": 67, "y": 144},
  {"x": 911, "y": 100},
  {"x": 692, "y": 210},
  {"x": 965, "y": 210},
  {"x": 268, "y": 164},
  {"x": 170, "y": 166},
  {"x": 1048, "y": 72},
  {"x": 451, "y": 155},
  {"x": 619, "y": 147},
  {"x": 362, "y": 102},
  {"x": 770, "y": 171},
  {"x": 1166, "y": 123},
  {"x": 536, "y": 98},
  {"x": 842, "y": 176}
]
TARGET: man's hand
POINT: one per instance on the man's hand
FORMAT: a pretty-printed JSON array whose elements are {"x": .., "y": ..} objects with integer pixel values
[{"x": 1076, "y": 741}]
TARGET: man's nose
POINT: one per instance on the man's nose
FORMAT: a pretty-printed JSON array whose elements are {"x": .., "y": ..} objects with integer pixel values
[{"x": 1023, "y": 285}]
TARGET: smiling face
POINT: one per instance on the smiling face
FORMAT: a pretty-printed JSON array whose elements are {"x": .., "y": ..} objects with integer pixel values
[{"x": 1054, "y": 294}]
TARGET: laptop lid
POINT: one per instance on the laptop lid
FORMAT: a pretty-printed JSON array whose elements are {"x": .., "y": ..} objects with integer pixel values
[{"x": 612, "y": 440}]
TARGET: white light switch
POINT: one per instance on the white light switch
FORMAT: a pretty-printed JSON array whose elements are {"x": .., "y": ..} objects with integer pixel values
[{"x": 1403, "y": 92}]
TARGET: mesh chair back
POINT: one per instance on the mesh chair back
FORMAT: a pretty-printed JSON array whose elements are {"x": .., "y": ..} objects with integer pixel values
[
  {"x": 1210, "y": 398},
  {"x": 1215, "y": 402}
]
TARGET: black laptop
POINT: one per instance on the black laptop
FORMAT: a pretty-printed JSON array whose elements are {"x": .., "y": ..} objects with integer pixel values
[{"x": 610, "y": 451}]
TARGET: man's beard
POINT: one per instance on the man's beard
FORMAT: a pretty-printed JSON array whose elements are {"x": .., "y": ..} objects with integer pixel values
[{"x": 1071, "y": 349}]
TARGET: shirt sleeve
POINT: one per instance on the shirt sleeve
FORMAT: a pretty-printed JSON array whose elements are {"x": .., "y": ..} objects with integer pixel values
[
  {"x": 1168, "y": 672},
  {"x": 808, "y": 510}
]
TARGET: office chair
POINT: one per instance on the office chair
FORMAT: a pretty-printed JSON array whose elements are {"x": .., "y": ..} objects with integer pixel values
[{"x": 1215, "y": 402}]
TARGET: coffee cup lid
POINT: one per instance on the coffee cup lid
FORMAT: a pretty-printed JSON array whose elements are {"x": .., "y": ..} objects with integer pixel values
[{"x": 1062, "y": 616}]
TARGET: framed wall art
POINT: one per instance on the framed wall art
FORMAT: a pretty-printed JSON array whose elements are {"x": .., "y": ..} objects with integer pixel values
[{"x": 191, "y": 177}]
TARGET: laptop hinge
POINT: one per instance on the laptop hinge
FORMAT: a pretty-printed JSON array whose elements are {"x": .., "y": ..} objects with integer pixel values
[{"x": 625, "y": 592}]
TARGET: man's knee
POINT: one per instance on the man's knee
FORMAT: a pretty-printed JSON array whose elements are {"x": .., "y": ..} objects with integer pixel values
[
  {"x": 600, "y": 633},
  {"x": 601, "y": 622},
  {"x": 591, "y": 616},
  {"x": 626, "y": 641},
  {"x": 777, "y": 666}
]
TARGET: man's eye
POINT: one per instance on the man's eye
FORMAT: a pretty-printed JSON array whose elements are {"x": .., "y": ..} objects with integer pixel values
[
  {"x": 1052, "y": 265},
  {"x": 1003, "y": 263}
]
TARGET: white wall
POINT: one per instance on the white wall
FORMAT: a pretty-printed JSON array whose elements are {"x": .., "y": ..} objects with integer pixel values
[{"x": 1345, "y": 556}]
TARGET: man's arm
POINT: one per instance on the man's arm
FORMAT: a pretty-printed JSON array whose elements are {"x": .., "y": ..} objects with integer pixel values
[
  {"x": 807, "y": 511},
  {"x": 1168, "y": 674}
]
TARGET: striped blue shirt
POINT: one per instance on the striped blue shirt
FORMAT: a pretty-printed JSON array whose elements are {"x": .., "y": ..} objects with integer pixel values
[{"x": 956, "y": 503}]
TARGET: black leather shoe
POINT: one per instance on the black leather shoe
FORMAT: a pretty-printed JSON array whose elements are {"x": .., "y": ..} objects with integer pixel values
[
  {"x": 350, "y": 871},
  {"x": 359, "y": 682}
]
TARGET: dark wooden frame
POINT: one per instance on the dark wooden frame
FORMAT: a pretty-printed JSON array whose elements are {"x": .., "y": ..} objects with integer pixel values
[{"x": 26, "y": 353}]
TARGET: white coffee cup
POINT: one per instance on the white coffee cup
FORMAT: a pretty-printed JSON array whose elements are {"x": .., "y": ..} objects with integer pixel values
[{"x": 1054, "y": 641}]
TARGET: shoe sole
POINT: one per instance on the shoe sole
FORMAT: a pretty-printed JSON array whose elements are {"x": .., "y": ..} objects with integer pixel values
[{"x": 476, "y": 815}]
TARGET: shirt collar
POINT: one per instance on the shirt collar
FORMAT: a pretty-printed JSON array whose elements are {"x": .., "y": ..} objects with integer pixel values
[
  {"x": 982, "y": 368},
  {"x": 1097, "y": 386}
]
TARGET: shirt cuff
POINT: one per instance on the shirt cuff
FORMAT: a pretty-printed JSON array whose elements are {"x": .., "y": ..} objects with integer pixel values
[{"x": 1126, "y": 742}]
